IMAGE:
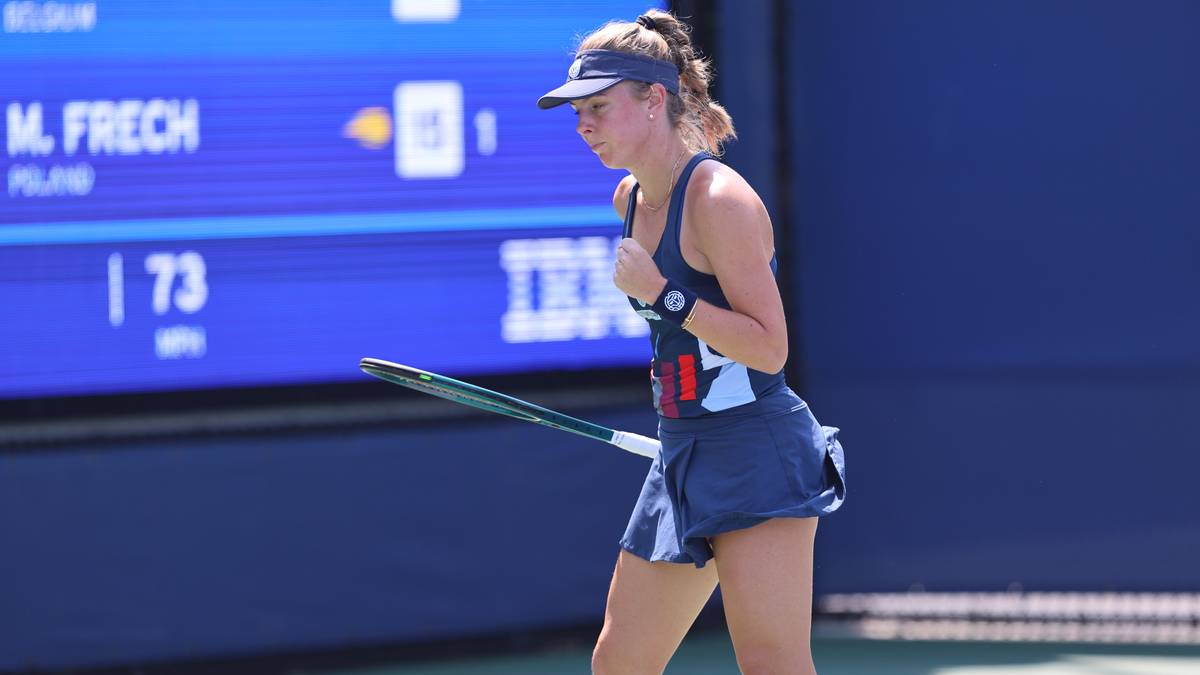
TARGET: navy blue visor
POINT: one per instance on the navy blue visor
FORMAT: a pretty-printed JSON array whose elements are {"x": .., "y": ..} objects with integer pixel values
[{"x": 595, "y": 70}]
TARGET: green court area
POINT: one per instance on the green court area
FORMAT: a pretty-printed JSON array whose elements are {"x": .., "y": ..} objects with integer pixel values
[{"x": 711, "y": 653}]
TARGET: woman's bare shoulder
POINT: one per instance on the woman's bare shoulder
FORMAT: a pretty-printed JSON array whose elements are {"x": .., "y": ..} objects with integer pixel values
[
  {"x": 621, "y": 195},
  {"x": 719, "y": 196}
]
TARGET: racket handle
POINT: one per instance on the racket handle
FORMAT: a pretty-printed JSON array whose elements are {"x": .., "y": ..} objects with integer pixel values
[{"x": 637, "y": 444}]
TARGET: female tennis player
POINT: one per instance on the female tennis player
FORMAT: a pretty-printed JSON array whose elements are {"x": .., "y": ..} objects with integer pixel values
[{"x": 745, "y": 469}]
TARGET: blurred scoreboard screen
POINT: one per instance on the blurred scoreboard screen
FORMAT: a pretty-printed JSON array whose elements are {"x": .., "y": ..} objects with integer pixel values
[{"x": 260, "y": 193}]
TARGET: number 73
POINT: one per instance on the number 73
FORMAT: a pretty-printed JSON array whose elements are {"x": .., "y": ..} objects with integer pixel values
[{"x": 193, "y": 291}]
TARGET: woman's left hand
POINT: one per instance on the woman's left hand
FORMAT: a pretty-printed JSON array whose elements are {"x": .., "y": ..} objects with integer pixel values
[{"x": 636, "y": 274}]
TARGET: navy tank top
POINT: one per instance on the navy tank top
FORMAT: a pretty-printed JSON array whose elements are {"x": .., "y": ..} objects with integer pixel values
[{"x": 689, "y": 378}]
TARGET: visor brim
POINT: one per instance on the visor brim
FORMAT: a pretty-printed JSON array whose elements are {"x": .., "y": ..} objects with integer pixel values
[{"x": 576, "y": 89}]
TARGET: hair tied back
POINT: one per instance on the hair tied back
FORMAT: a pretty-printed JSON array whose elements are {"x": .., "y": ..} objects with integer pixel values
[{"x": 648, "y": 22}]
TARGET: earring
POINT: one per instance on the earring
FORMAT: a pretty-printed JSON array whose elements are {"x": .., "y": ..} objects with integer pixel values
[{"x": 651, "y": 115}]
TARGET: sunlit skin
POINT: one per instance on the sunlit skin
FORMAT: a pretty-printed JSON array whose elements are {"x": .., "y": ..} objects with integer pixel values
[{"x": 726, "y": 230}]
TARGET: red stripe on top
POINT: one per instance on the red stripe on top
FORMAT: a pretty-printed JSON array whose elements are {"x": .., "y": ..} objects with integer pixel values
[
  {"x": 666, "y": 378},
  {"x": 687, "y": 377}
]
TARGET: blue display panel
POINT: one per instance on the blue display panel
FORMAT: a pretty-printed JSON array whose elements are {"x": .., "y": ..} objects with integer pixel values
[{"x": 261, "y": 193}]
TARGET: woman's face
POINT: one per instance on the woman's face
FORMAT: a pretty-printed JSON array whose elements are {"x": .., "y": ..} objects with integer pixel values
[{"x": 614, "y": 123}]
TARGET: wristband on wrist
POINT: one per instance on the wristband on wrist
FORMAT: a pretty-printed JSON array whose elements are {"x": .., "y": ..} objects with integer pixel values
[{"x": 676, "y": 303}]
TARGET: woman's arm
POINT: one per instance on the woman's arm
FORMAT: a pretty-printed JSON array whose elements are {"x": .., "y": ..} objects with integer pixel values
[{"x": 732, "y": 230}]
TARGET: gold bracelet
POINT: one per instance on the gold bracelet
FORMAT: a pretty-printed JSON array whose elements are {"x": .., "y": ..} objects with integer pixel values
[{"x": 691, "y": 315}]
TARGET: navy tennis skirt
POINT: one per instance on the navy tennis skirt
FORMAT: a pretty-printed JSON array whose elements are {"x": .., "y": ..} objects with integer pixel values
[{"x": 733, "y": 470}]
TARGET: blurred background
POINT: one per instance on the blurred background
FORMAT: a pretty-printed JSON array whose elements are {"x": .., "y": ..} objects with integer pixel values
[{"x": 988, "y": 221}]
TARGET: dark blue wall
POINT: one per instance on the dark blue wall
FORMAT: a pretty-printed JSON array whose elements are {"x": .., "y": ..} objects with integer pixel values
[
  {"x": 200, "y": 548},
  {"x": 996, "y": 226},
  {"x": 746, "y": 84}
]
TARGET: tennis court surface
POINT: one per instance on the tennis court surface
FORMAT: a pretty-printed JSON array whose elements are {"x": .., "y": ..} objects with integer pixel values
[{"x": 710, "y": 653}]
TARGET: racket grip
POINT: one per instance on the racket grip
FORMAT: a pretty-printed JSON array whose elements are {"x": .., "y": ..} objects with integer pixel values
[{"x": 637, "y": 444}]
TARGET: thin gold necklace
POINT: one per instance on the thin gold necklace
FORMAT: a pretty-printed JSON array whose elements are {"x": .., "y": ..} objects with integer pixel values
[{"x": 669, "y": 187}]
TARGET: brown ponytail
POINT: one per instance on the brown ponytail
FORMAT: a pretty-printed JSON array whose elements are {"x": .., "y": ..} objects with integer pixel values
[{"x": 703, "y": 122}]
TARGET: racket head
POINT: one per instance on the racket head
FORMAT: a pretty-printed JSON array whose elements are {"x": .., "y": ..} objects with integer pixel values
[
  {"x": 448, "y": 388},
  {"x": 495, "y": 402}
]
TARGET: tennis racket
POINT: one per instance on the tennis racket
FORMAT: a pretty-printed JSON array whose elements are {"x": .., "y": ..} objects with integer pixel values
[{"x": 491, "y": 401}]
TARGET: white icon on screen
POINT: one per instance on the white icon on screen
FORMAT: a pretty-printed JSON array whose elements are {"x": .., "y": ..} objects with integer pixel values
[
  {"x": 429, "y": 130},
  {"x": 485, "y": 131},
  {"x": 421, "y": 11}
]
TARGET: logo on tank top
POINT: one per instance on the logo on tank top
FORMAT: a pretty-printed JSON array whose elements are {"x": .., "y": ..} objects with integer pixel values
[{"x": 674, "y": 301}]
